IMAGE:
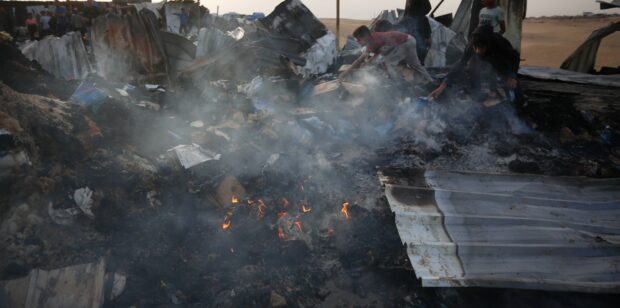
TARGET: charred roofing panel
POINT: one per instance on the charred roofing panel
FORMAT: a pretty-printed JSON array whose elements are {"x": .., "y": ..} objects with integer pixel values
[
  {"x": 516, "y": 231},
  {"x": 583, "y": 59}
]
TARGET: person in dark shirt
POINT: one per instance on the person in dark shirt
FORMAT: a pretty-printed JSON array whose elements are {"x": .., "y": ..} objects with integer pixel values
[
  {"x": 488, "y": 47},
  {"x": 396, "y": 47},
  {"x": 417, "y": 25},
  {"x": 90, "y": 13},
  {"x": 60, "y": 12}
]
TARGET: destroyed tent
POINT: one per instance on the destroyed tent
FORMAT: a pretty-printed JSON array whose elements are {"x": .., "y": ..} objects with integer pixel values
[
  {"x": 153, "y": 7},
  {"x": 210, "y": 40},
  {"x": 290, "y": 40},
  {"x": 584, "y": 58},
  {"x": 511, "y": 231},
  {"x": 442, "y": 38},
  {"x": 548, "y": 73},
  {"x": 610, "y": 4},
  {"x": 173, "y": 21},
  {"x": 466, "y": 19},
  {"x": 24, "y": 75},
  {"x": 64, "y": 57},
  {"x": 129, "y": 48},
  {"x": 180, "y": 52}
]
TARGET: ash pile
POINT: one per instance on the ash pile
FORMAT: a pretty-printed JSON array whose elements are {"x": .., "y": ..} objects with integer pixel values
[{"x": 228, "y": 165}]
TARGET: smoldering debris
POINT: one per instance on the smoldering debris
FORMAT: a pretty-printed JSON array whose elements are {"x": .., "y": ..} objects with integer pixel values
[{"x": 245, "y": 175}]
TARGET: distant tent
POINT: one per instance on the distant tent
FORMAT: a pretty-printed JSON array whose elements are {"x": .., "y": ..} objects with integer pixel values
[{"x": 584, "y": 58}]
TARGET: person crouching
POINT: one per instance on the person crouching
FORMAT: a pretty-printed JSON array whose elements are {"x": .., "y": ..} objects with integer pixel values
[{"x": 396, "y": 47}]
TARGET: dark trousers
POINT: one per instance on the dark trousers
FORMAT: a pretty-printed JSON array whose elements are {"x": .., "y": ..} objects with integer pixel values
[
  {"x": 183, "y": 29},
  {"x": 32, "y": 30}
]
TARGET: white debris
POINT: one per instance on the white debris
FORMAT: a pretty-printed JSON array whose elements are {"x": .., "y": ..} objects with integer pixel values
[
  {"x": 122, "y": 92},
  {"x": 83, "y": 199},
  {"x": 63, "y": 217},
  {"x": 320, "y": 56},
  {"x": 193, "y": 155},
  {"x": 441, "y": 37},
  {"x": 237, "y": 34},
  {"x": 197, "y": 124}
]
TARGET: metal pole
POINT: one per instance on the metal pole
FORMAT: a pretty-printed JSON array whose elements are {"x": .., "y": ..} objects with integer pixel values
[
  {"x": 337, "y": 23},
  {"x": 437, "y": 7}
]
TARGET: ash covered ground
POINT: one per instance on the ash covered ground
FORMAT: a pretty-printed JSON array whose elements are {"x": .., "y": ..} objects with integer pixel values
[{"x": 291, "y": 212}]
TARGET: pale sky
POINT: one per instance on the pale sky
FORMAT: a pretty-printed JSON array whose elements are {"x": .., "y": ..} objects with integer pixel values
[{"x": 367, "y": 9}]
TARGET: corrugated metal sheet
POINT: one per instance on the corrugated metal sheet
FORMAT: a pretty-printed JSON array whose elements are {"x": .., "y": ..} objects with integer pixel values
[
  {"x": 78, "y": 286},
  {"x": 549, "y": 73},
  {"x": 129, "y": 47},
  {"x": 583, "y": 59},
  {"x": 64, "y": 57},
  {"x": 513, "y": 231}
]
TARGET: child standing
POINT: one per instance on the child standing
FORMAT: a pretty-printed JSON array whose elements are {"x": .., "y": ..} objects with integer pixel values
[
  {"x": 493, "y": 16},
  {"x": 33, "y": 25}
]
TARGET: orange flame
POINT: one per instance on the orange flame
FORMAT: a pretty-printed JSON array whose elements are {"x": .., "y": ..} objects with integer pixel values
[
  {"x": 226, "y": 224},
  {"x": 305, "y": 209},
  {"x": 345, "y": 210},
  {"x": 284, "y": 202},
  {"x": 298, "y": 225},
  {"x": 281, "y": 234},
  {"x": 234, "y": 200}
]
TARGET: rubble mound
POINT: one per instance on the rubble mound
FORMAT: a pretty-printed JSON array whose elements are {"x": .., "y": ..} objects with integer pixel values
[{"x": 28, "y": 76}]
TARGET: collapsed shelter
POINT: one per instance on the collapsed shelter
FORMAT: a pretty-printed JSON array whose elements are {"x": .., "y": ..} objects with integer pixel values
[{"x": 231, "y": 167}]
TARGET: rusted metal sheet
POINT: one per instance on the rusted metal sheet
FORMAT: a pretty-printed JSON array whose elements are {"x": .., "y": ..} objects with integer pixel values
[
  {"x": 129, "y": 47},
  {"x": 511, "y": 231}
]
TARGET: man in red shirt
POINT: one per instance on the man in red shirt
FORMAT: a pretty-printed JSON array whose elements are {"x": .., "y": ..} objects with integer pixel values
[{"x": 396, "y": 47}]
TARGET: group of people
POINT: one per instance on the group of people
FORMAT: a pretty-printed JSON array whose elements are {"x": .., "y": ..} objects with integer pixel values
[
  {"x": 487, "y": 47},
  {"x": 58, "y": 19}
]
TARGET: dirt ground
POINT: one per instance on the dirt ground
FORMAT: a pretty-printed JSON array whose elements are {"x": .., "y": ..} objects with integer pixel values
[{"x": 546, "y": 41}]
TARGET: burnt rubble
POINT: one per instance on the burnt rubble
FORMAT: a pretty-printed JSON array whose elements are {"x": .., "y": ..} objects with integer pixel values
[{"x": 237, "y": 180}]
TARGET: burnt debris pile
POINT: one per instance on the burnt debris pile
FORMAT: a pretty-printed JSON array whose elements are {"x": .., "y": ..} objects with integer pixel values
[{"x": 229, "y": 166}]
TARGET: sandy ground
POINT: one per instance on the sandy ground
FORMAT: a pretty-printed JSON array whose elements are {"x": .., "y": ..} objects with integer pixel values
[{"x": 546, "y": 41}]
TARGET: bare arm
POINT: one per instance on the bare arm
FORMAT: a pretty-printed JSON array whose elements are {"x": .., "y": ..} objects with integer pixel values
[
  {"x": 356, "y": 64},
  {"x": 502, "y": 27}
]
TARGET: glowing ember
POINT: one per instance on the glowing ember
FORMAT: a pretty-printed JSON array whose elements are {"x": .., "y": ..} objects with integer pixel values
[
  {"x": 281, "y": 234},
  {"x": 305, "y": 209},
  {"x": 234, "y": 200},
  {"x": 226, "y": 224},
  {"x": 345, "y": 210},
  {"x": 284, "y": 202},
  {"x": 298, "y": 225}
]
